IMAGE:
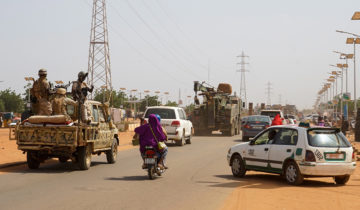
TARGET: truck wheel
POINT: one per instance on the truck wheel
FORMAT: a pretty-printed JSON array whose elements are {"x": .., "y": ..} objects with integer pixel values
[
  {"x": 32, "y": 160},
  {"x": 84, "y": 157},
  {"x": 181, "y": 141},
  {"x": 112, "y": 154},
  {"x": 63, "y": 159},
  {"x": 292, "y": 174},
  {"x": 341, "y": 180},
  {"x": 188, "y": 141}
]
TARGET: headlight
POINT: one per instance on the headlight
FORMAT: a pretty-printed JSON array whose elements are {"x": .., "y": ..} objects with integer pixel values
[{"x": 229, "y": 151}]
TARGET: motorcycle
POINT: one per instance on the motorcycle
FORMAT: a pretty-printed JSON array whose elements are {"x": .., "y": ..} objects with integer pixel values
[{"x": 151, "y": 162}]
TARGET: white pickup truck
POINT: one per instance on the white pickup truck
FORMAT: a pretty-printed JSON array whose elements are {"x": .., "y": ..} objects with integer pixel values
[{"x": 173, "y": 119}]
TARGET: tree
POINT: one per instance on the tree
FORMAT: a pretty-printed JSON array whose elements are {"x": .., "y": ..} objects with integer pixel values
[
  {"x": 149, "y": 101},
  {"x": 11, "y": 101},
  {"x": 171, "y": 103},
  {"x": 117, "y": 100}
]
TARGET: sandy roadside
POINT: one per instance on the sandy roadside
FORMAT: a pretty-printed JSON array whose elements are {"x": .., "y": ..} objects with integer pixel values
[{"x": 9, "y": 153}]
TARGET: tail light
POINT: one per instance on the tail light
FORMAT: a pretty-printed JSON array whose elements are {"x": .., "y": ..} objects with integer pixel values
[
  {"x": 309, "y": 156},
  {"x": 246, "y": 126},
  {"x": 175, "y": 123},
  {"x": 149, "y": 153},
  {"x": 353, "y": 156}
]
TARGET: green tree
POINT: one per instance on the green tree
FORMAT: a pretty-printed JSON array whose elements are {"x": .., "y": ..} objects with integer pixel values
[
  {"x": 150, "y": 101},
  {"x": 171, "y": 103},
  {"x": 11, "y": 101},
  {"x": 117, "y": 100}
]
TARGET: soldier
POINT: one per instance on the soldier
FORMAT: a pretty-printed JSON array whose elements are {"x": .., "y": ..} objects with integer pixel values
[
  {"x": 80, "y": 89},
  {"x": 59, "y": 103},
  {"x": 79, "y": 92},
  {"x": 41, "y": 92}
]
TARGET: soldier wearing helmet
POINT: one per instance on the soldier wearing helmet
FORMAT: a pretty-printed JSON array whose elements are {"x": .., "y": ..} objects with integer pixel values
[
  {"x": 59, "y": 103},
  {"x": 41, "y": 92},
  {"x": 80, "y": 89}
]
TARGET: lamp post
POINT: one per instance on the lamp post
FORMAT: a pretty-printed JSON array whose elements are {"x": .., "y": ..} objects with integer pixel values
[
  {"x": 133, "y": 94},
  {"x": 29, "y": 79},
  {"x": 147, "y": 98},
  {"x": 166, "y": 97},
  {"x": 354, "y": 40},
  {"x": 157, "y": 94}
]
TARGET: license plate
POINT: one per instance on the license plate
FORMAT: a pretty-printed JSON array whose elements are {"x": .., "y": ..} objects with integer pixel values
[
  {"x": 257, "y": 127},
  {"x": 149, "y": 160},
  {"x": 334, "y": 156}
]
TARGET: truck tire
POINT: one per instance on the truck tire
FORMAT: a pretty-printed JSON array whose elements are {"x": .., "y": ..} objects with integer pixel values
[
  {"x": 111, "y": 154},
  {"x": 33, "y": 161},
  {"x": 84, "y": 157},
  {"x": 188, "y": 141},
  {"x": 181, "y": 141}
]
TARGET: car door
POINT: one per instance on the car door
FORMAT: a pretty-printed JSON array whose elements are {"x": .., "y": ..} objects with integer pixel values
[
  {"x": 257, "y": 153},
  {"x": 283, "y": 147}
]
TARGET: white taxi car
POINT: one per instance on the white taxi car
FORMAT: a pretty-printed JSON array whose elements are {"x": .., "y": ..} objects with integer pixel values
[
  {"x": 174, "y": 120},
  {"x": 295, "y": 152}
]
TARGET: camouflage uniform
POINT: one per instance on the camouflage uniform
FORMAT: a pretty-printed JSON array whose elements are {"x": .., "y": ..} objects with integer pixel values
[
  {"x": 59, "y": 103},
  {"x": 40, "y": 90}
]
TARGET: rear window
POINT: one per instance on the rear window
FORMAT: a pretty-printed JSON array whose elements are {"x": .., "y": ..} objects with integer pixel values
[
  {"x": 327, "y": 138},
  {"x": 270, "y": 114},
  {"x": 258, "y": 118},
  {"x": 164, "y": 113}
]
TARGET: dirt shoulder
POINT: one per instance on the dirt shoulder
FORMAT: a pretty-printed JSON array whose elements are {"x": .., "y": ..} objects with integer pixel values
[{"x": 10, "y": 155}]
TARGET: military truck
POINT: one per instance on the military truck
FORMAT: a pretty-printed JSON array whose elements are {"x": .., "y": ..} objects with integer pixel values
[
  {"x": 219, "y": 110},
  {"x": 44, "y": 137}
]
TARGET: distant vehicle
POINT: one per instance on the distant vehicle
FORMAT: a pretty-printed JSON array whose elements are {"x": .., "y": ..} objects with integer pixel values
[
  {"x": 253, "y": 125},
  {"x": 290, "y": 116},
  {"x": 173, "y": 119},
  {"x": 14, "y": 121},
  {"x": 296, "y": 153}
]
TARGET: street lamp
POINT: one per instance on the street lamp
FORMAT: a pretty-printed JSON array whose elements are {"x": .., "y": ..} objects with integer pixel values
[
  {"x": 354, "y": 40},
  {"x": 147, "y": 98},
  {"x": 166, "y": 97},
  {"x": 157, "y": 94}
]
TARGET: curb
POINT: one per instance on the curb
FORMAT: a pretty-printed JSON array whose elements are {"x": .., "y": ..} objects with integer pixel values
[{"x": 7, "y": 165}]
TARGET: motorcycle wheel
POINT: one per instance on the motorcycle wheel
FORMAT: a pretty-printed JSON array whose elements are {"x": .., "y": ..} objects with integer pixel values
[{"x": 151, "y": 172}]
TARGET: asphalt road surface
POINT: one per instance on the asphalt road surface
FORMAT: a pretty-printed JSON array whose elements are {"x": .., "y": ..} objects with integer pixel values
[{"x": 198, "y": 178}]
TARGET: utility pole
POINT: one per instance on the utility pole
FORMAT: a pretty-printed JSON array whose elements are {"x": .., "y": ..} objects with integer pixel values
[
  {"x": 242, "y": 70},
  {"x": 268, "y": 92},
  {"x": 99, "y": 57}
]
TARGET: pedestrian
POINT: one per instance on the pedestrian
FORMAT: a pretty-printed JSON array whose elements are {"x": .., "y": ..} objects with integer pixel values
[{"x": 277, "y": 120}]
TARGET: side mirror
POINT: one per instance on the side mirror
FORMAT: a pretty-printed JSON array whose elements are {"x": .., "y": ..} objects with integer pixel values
[{"x": 252, "y": 142}]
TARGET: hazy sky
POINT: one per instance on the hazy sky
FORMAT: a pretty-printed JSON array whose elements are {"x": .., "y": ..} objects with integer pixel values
[{"x": 290, "y": 43}]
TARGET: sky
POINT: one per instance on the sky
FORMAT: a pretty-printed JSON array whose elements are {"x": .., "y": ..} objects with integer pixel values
[{"x": 165, "y": 45}]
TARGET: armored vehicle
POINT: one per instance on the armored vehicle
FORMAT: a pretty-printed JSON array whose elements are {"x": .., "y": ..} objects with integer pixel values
[
  {"x": 69, "y": 136},
  {"x": 219, "y": 110}
]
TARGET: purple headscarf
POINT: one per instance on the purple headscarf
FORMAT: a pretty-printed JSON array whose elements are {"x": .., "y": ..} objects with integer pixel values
[
  {"x": 145, "y": 135},
  {"x": 156, "y": 127}
]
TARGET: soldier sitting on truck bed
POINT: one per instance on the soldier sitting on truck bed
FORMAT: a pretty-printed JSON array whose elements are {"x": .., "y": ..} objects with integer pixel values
[{"x": 59, "y": 103}]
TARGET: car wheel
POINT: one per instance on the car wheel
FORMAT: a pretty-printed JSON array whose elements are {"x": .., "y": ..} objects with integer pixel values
[
  {"x": 84, "y": 157},
  {"x": 33, "y": 161},
  {"x": 292, "y": 174},
  {"x": 341, "y": 180},
  {"x": 112, "y": 153},
  {"x": 188, "y": 141},
  {"x": 181, "y": 141},
  {"x": 238, "y": 166}
]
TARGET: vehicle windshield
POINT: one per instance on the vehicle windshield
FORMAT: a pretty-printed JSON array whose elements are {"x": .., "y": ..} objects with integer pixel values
[
  {"x": 164, "y": 113},
  {"x": 327, "y": 138},
  {"x": 270, "y": 114},
  {"x": 258, "y": 118}
]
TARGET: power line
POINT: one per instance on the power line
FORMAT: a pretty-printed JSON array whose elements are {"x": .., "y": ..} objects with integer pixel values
[
  {"x": 158, "y": 37},
  {"x": 191, "y": 60}
]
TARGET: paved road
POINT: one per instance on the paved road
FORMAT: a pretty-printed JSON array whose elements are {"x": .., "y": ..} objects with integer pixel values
[{"x": 198, "y": 178}]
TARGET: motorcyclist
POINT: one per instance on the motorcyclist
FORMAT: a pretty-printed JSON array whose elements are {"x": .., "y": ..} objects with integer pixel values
[{"x": 149, "y": 134}]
